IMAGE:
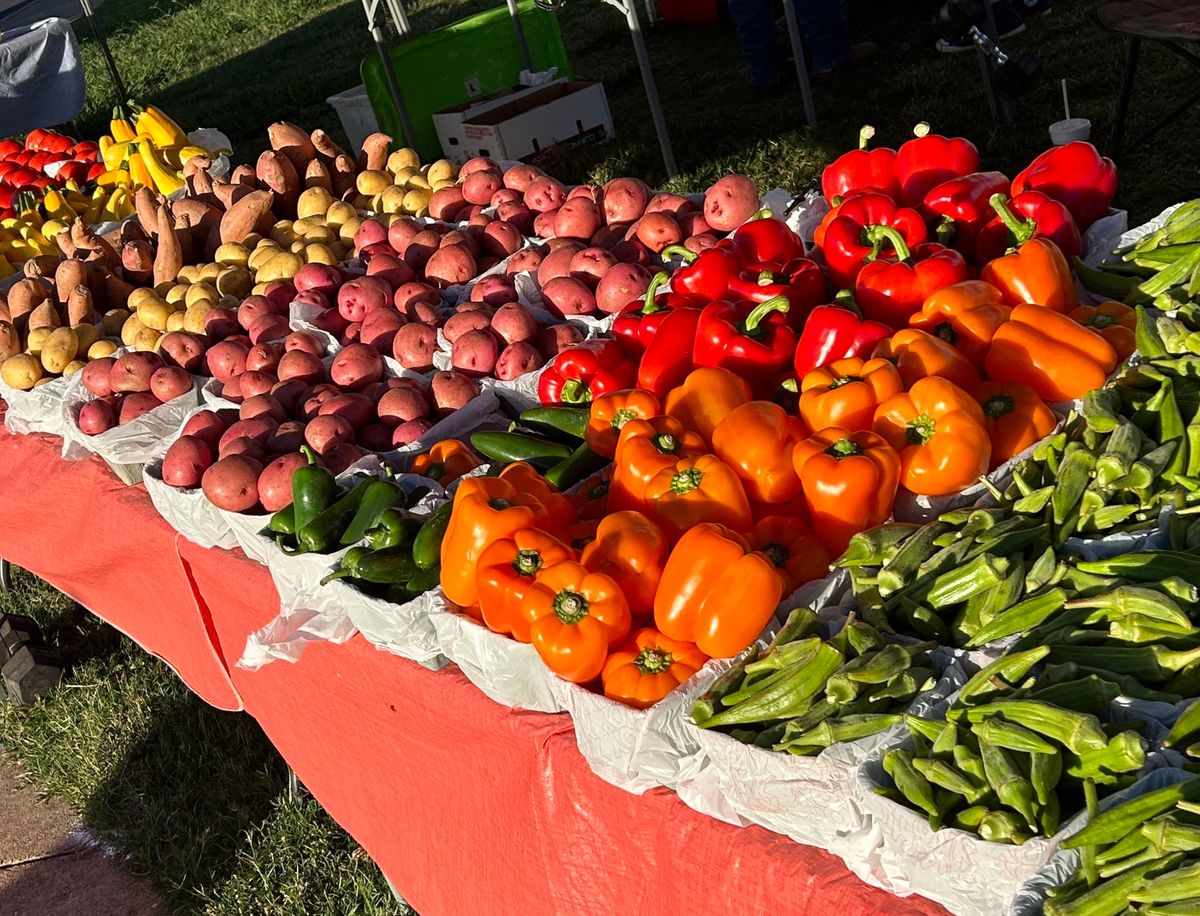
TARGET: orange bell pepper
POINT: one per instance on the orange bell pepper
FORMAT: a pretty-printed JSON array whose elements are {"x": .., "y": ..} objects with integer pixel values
[
  {"x": 938, "y": 430},
  {"x": 560, "y": 510},
  {"x": 574, "y": 617},
  {"x": 696, "y": 490},
  {"x": 486, "y": 509},
  {"x": 756, "y": 440},
  {"x": 447, "y": 461},
  {"x": 591, "y": 496},
  {"x": 505, "y": 571},
  {"x": 849, "y": 480},
  {"x": 919, "y": 355},
  {"x": 716, "y": 592},
  {"x": 846, "y": 392},
  {"x": 632, "y": 550},
  {"x": 1050, "y": 353},
  {"x": 1014, "y": 417},
  {"x": 965, "y": 315},
  {"x": 705, "y": 398},
  {"x": 1035, "y": 274},
  {"x": 582, "y": 533},
  {"x": 789, "y": 542},
  {"x": 647, "y": 667},
  {"x": 795, "y": 507},
  {"x": 644, "y": 448},
  {"x": 609, "y": 414},
  {"x": 1114, "y": 321}
]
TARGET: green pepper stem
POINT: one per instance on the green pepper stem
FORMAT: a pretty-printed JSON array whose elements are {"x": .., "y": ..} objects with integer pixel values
[
  {"x": 666, "y": 443},
  {"x": 575, "y": 392},
  {"x": 878, "y": 234},
  {"x": 766, "y": 278},
  {"x": 998, "y": 405},
  {"x": 680, "y": 251},
  {"x": 686, "y": 481},
  {"x": 764, "y": 213},
  {"x": 921, "y": 129},
  {"x": 1022, "y": 230},
  {"x": 865, "y": 134},
  {"x": 791, "y": 385},
  {"x": 946, "y": 230},
  {"x": 844, "y": 448},
  {"x": 308, "y": 453},
  {"x": 844, "y": 298},
  {"x": 759, "y": 313},
  {"x": 652, "y": 661},
  {"x": 921, "y": 430},
  {"x": 527, "y": 562},
  {"x": 657, "y": 282},
  {"x": 570, "y": 607},
  {"x": 339, "y": 573}
]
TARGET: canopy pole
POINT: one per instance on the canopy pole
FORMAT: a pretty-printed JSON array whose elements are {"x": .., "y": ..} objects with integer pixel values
[
  {"x": 102, "y": 41},
  {"x": 793, "y": 27},
  {"x": 371, "y": 8},
  {"x": 399, "y": 18},
  {"x": 643, "y": 58},
  {"x": 522, "y": 44}
]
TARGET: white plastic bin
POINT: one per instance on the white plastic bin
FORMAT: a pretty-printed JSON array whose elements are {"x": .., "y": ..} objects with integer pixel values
[{"x": 354, "y": 110}]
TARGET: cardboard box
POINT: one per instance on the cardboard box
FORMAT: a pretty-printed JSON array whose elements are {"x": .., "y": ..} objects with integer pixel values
[{"x": 527, "y": 123}]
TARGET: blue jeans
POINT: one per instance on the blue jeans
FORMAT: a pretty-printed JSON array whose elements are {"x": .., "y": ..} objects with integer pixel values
[{"x": 822, "y": 22}]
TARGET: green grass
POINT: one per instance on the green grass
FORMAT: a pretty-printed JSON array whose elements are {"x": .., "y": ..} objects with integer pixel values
[{"x": 197, "y": 798}]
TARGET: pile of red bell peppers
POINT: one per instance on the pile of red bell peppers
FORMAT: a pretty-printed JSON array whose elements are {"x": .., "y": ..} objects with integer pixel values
[{"x": 27, "y": 167}]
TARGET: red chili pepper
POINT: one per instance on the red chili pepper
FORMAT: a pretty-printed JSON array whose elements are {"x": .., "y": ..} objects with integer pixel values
[
  {"x": 767, "y": 241},
  {"x": 637, "y": 323},
  {"x": 740, "y": 337},
  {"x": 584, "y": 372},
  {"x": 1075, "y": 175},
  {"x": 705, "y": 276},
  {"x": 891, "y": 289},
  {"x": 1044, "y": 218},
  {"x": 835, "y": 332},
  {"x": 668, "y": 357},
  {"x": 800, "y": 281},
  {"x": 845, "y": 245},
  {"x": 963, "y": 204},
  {"x": 860, "y": 169},
  {"x": 929, "y": 159}
]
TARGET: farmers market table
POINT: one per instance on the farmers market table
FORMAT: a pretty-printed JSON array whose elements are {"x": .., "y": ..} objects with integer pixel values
[{"x": 462, "y": 802}]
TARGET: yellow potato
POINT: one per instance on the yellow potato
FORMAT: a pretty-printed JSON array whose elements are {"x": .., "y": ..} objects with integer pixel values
[
  {"x": 347, "y": 230},
  {"x": 154, "y": 314},
  {"x": 189, "y": 273},
  {"x": 36, "y": 340},
  {"x": 372, "y": 181},
  {"x": 193, "y": 318},
  {"x": 113, "y": 321},
  {"x": 259, "y": 289},
  {"x": 176, "y": 320},
  {"x": 211, "y": 271},
  {"x": 74, "y": 366},
  {"x": 21, "y": 371},
  {"x": 321, "y": 234},
  {"x": 251, "y": 241},
  {"x": 140, "y": 295},
  {"x": 146, "y": 339},
  {"x": 363, "y": 202},
  {"x": 282, "y": 265},
  {"x": 391, "y": 200},
  {"x": 301, "y": 226},
  {"x": 260, "y": 255},
  {"x": 232, "y": 253},
  {"x": 203, "y": 290},
  {"x": 59, "y": 350},
  {"x": 130, "y": 330},
  {"x": 339, "y": 212},
  {"x": 165, "y": 287},
  {"x": 442, "y": 170},
  {"x": 178, "y": 293},
  {"x": 417, "y": 182},
  {"x": 86, "y": 334},
  {"x": 313, "y": 202},
  {"x": 341, "y": 249},
  {"x": 234, "y": 281},
  {"x": 404, "y": 158},
  {"x": 401, "y": 175},
  {"x": 416, "y": 202},
  {"x": 283, "y": 233},
  {"x": 229, "y": 303},
  {"x": 320, "y": 254},
  {"x": 101, "y": 349},
  {"x": 444, "y": 183}
]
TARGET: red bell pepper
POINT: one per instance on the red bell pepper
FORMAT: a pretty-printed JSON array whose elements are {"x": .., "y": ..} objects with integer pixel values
[
  {"x": 668, "y": 357},
  {"x": 73, "y": 170},
  {"x": 845, "y": 245},
  {"x": 835, "y": 332},
  {"x": 767, "y": 241},
  {"x": 929, "y": 159},
  {"x": 963, "y": 204},
  {"x": 706, "y": 275},
  {"x": 801, "y": 281},
  {"x": 637, "y": 323},
  {"x": 1075, "y": 175},
  {"x": 740, "y": 337},
  {"x": 892, "y": 289},
  {"x": 9, "y": 148},
  {"x": 1044, "y": 218},
  {"x": 860, "y": 169},
  {"x": 584, "y": 372}
]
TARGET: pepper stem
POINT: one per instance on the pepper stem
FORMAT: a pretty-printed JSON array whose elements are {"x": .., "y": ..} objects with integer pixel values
[
  {"x": 652, "y": 661},
  {"x": 686, "y": 481},
  {"x": 666, "y": 443},
  {"x": 310, "y": 455},
  {"x": 1021, "y": 230},
  {"x": 527, "y": 562},
  {"x": 621, "y": 417},
  {"x": 921, "y": 129},
  {"x": 499, "y": 503},
  {"x": 946, "y": 230},
  {"x": 575, "y": 392},
  {"x": 878, "y": 234},
  {"x": 766, "y": 278},
  {"x": 844, "y": 380},
  {"x": 657, "y": 282},
  {"x": 776, "y": 553},
  {"x": 945, "y": 331},
  {"x": 570, "y": 607},
  {"x": 435, "y": 471},
  {"x": 844, "y": 298},
  {"x": 759, "y": 313},
  {"x": 998, "y": 405},
  {"x": 764, "y": 213},
  {"x": 921, "y": 429},
  {"x": 865, "y": 134},
  {"x": 790, "y": 385},
  {"x": 844, "y": 448},
  {"x": 680, "y": 251}
]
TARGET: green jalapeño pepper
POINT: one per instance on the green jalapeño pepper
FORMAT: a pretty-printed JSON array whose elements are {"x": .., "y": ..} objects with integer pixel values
[
  {"x": 313, "y": 490},
  {"x": 379, "y": 496},
  {"x": 394, "y": 526}
]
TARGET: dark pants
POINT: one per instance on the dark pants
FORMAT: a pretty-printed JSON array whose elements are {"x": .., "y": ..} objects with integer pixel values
[{"x": 823, "y": 23}]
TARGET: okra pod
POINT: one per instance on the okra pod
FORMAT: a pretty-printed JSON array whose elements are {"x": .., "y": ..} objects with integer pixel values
[
  {"x": 875, "y": 546},
  {"x": 929, "y": 729},
  {"x": 1079, "y": 732},
  {"x": 881, "y": 666},
  {"x": 1179, "y": 884},
  {"x": 705, "y": 706},
  {"x": 1168, "y": 834},
  {"x": 1113, "y": 824},
  {"x": 1020, "y": 617},
  {"x": 836, "y": 731},
  {"x": 1077, "y": 467},
  {"x": 1011, "y": 667},
  {"x": 969, "y": 762},
  {"x": 1186, "y": 726},
  {"x": 970, "y": 818},
  {"x": 1111, "y": 897},
  {"x": 978, "y": 575},
  {"x": 1045, "y": 770},
  {"x": 898, "y": 764},
  {"x": 904, "y": 686},
  {"x": 789, "y": 697},
  {"x": 1007, "y": 781},
  {"x": 940, "y": 773},
  {"x": 915, "y": 549},
  {"x": 1012, "y": 737},
  {"x": 1003, "y": 827},
  {"x": 1090, "y": 694}
]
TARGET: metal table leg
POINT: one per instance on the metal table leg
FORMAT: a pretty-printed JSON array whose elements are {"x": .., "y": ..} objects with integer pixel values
[
  {"x": 793, "y": 27},
  {"x": 5, "y": 575},
  {"x": 102, "y": 41},
  {"x": 522, "y": 43}
]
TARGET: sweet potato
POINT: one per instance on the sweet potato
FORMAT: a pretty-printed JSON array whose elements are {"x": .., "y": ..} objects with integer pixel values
[
  {"x": 185, "y": 462},
  {"x": 275, "y": 481},
  {"x": 342, "y": 175},
  {"x": 79, "y": 306},
  {"x": 276, "y": 173},
  {"x": 325, "y": 145},
  {"x": 10, "y": 340},
  {"x": 518, "y": 359},
  {"x": 242, "y": 174},
  {"x": 625, "y": 200},
  {"x": 170, "y": 382},
  {"x": 68, "y": 275},
  {"x": 26, "y": 295},
  {"x": 293, "y": 142},
  {"x": 146, "y": 206},
  {"x": 136, "y": 405},
  {"x": 137, "y": 262},
  {"x": 356, "y": 366},
  {"x": 299, "y": 364},
  {"x": 232, "y": 483},
  {"x": 558, "y": 262},
  {"x": 554, "y": 338},
  {"x": 44, "y": 316},
  {"x": 730, "y": 202},
  {"x": 226, "y": 359},
  {"x": 374, "y": 154},
  {"x": 316, "y": 175},
  {"x": 621, "y": 284},
  {"x": 578, "y": 218},
  {"x": 567, "y": 296},
  {"x": 452, "y": 390},
  {"x": 450, "y": 266},
  {"x": 250, "y": 214},
  {"x": 414, "y": 346}
]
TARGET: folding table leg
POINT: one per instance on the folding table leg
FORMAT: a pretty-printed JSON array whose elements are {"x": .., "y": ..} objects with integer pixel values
[
  {"x": 5, "y": 575},
  {"x": 1114, "y": 146}
]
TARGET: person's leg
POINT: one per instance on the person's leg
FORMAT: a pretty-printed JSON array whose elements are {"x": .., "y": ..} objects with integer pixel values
[
  {"x": 826, "y": 33},
  {"x": 755, "y": 23}
]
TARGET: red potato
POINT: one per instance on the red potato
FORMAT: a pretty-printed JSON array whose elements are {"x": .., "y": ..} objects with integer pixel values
[
  {"x": 409, "y": 293},
  {"x": 578, "y": 218},
  {"x": 242, "y": 340},
  {"x": 401, "y": 232},
  {"x": 422, "y": 312},
  {"x": 513, "y": 323},
  {"x": 299, "y": 364},
  {"x": 500, "y": 239},
  {"x": 379, "y": 329},
  {"x": 528, "y": 259},
  {"x": 331, "y": 322},
  {"x": 170, "y": 382},
  {"x": 445, "y": 203},
  {"x": 244, "y": 445},
  {"x": 702, "y": 242},
  {"x": 693, "y": 224},
  {"x": 478, "y": 164},
  {"x": 288, "y": 437},
  {"x": 475, "y": 353},
  {"x": 324, "y": 432},
  {"x": 620, "y": 285},
  {"x": 226, "y": 360},
  {"x": 135, "y": 405},
  {"x": 341, "y": 456},
  {"x": 590, "y": 265},
  {"x": 378, "y": 250},
  {"x": 414, "y": 346},
  {"x": 97, "y": 417},
  {"x": 518, "y": 215},
  {"x": 674, "y": 204},
  {"x": 370, "y": 232},
  {"x": 232, "y": 483},
  {"x": 543, "y": 224},
  {"x": 207, "y": 426},
  {"x": 730, "y": 202},
  {"x": 458, "y": 325},
  {"x": 268, "y": 328},
  {"x": 632, "y": 251},
  {"x": 97, "y": 376},
  {"x": 452, "y": 390},
  {"x": 608, "y": 236},
  {"x": 179, "y": 348},
  {"x": 625, "y": 200},
  {"x": 391, "y": 270},
  {"x": 275, "y": 481},
  {"x": 264, "y": 357},
  {"x": 358, "y": 297},
  {"x": 555, "y": 338},
  {"x": 290, "y": 393},
  {"x": 262, "y": 405},
  {"x": 658, "y": 231},
  {"x": 132, "y": 372},
  {"x": 350, "y": 335},
  {"x": 592, "y": 192},
  {"x": 321, "y": 278},
  {"x": 567, "y": 296},
  {"x": 450, "y": 266},
  {"x": 494, "y": 290},
  {"x": 506, "y": 196},
  {"x": 220, "y": 323},
  {"x": 520, "y": 177},
  {"x": 313, "y": 298},
  {"x": 518, "y": 359},
  {"x": 421, "y": 248},
  {"x": 470, "y": 306},
  {"x": 545, "y": 193},
  {"x": 356, "y": 409},
  {"x": 303, "y": 340},
  {"x": 410, "y": 432},
  {"x": 254, "y": 382},
  {"x": 232, "y": 389},
  {"x": 281, "y": 292},
  {"x": 185, "y": 462},
  {"x": 376, "y": 437},
  {"x": 476, "y": 217},
  {"x": 478, "y": 187},
  {"x": 460, "y": 237},
  {"x": 558, "y": 263},
  {"x": 317, "y": 395},
  {"x": 257, "y": 428},
  {"x": 401, "y": 405},
  {"x": 356, "y": 366}
]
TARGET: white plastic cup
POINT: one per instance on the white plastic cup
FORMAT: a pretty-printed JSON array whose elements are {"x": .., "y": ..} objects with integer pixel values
[{"x": 1062, "y": 132}]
